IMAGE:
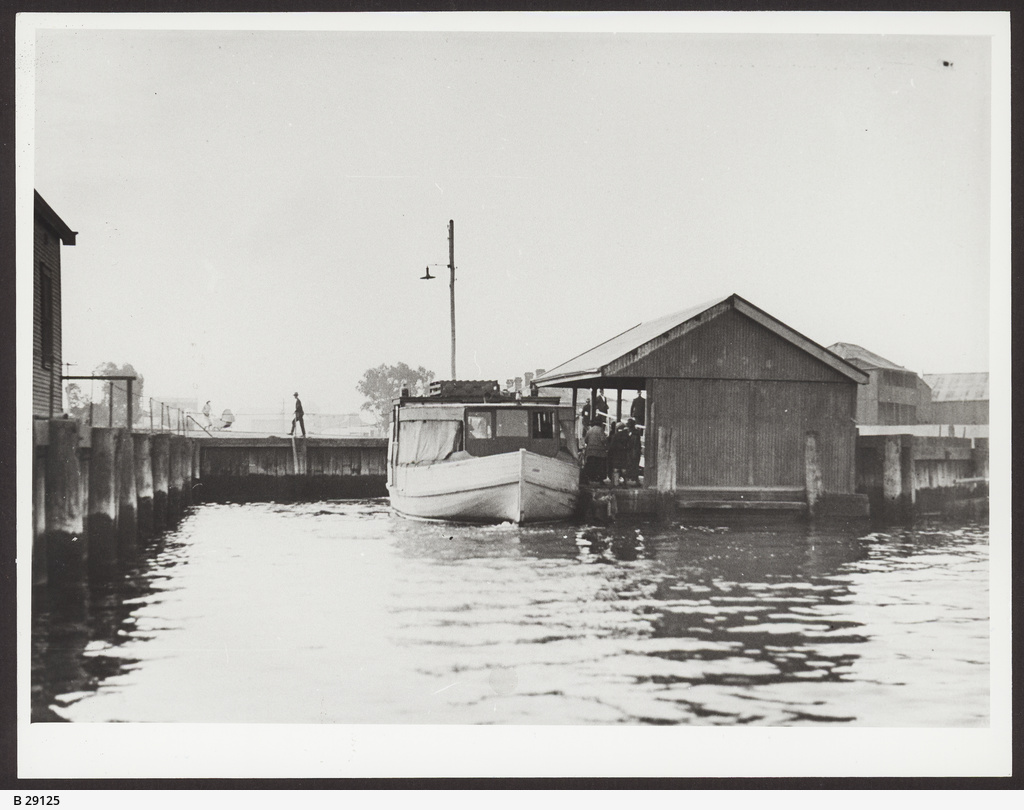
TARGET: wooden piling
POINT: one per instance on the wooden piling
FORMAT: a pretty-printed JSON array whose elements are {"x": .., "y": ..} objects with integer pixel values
[
  {"x": 143, "y": 463},
  {"x": 666, "y": 473},
  {"x": 160, "y": 446},
  {"x": 908, "y": 494},
  {"x": 101, "y": 517},
  {"x": 813, "y": 482},
  {"x": 667, "y": 459},
  {"x": 892, "y": 477},
  {"x": 65, "y": 546},
  {"x": 39, "y": 453},
  {"x": 187, "y": 454},
  {"x": 197, "y": 460},
  {"x": 124, "y": 478},
  {"x": 175, "y": 457}
]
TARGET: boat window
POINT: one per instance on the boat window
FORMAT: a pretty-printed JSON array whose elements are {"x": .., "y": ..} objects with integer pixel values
[
  {"x": 479, "y": 424},
  {"x": 543, "y": 425},
  {"x": 513, "y": 423}
]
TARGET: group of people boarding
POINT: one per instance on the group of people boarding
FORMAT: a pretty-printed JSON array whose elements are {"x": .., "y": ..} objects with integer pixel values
[{"x": 614, "y": 455}]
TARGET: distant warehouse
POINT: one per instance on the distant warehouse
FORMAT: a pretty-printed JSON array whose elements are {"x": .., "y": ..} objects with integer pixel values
[
  {"x": 893, "y": 395},
  {"x": 958, "y": 399},
  {"x": 732, "y": 395}
]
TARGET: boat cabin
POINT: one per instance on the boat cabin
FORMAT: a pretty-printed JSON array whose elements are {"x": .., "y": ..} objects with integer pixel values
[{"x": 459, "y": 424}]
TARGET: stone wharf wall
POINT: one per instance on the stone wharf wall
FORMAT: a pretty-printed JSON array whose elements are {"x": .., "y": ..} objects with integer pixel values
[{"x": 96, "y": 492}]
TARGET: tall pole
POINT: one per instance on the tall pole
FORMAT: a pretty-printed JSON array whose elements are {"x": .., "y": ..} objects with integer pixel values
[{"x": 451, "y": 266}]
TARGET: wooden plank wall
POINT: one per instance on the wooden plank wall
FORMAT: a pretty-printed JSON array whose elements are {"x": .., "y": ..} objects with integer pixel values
[
  {"x": 276, "y": 460},
  {"x": 46, "y": 252}
]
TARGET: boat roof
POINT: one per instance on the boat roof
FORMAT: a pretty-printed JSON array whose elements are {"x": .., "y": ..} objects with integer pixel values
[{"x": 466, "y": 402}]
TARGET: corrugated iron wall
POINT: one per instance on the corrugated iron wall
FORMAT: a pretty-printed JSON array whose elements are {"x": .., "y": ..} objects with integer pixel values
[{"x": 739, "y": 433}]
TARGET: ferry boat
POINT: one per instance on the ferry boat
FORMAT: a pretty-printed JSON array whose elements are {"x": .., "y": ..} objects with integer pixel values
[{"x": 469, "y": 453}]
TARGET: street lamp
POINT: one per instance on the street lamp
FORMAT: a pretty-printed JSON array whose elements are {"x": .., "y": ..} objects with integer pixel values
[{"x": 451, "y": 267}]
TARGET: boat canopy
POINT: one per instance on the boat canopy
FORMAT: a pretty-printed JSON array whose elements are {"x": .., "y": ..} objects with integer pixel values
[{"x": 422, "y": 441}]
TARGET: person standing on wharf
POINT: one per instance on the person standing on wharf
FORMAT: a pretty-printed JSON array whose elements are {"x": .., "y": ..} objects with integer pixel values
[{"x": 298, "y": 416}]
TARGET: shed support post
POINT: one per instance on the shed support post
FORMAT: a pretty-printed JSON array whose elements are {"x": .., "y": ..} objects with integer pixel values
[{"x": 575, "y": 414}]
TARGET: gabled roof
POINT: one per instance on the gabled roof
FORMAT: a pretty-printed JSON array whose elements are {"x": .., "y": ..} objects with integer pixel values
[
  {"x": 861, "y": 357},
  {"x": 646, "y": 336},
  {"x": 49, "y": 216},
  {"x": 958, "y": 387}
]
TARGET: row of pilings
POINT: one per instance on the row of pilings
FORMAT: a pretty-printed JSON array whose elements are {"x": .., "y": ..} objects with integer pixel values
[{"x": 99, "y": 491}]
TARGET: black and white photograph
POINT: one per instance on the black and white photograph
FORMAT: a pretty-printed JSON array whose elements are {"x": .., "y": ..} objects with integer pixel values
[{"x": 592, "y": 394}]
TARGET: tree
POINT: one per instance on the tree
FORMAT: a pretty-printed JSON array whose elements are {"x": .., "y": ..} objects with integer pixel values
[
  {"x": 120, "y": 391},
  {"x": 381, "y": 384},
  {"x": 78, "y": 402}
]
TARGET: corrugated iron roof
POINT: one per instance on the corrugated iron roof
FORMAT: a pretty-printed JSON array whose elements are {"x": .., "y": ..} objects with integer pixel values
[
  {"x": 861, "y": 357},
  {"x": 970, "y": 386},
  {"x": 594, "y": 361}
]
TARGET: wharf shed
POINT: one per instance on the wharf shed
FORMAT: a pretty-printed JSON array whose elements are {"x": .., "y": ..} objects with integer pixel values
[{"x": 732, "y": 395}]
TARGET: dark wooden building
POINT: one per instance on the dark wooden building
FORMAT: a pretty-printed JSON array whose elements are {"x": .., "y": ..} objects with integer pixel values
[
  {"x": 732, "y": 395},
  {"x": 49, "y": 233}
]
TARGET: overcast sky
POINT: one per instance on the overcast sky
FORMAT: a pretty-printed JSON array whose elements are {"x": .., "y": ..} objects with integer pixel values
[{"x": 255, "y": 208}]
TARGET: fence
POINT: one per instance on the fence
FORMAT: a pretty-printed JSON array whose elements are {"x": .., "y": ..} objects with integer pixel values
[{"x": 161, "y": 417}]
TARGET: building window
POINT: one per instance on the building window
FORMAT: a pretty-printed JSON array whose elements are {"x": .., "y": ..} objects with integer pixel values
[{"x": 46, "y": 315}]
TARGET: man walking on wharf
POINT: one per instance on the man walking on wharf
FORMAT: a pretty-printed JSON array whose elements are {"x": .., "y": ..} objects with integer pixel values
[{"x": 298, "y": 416}]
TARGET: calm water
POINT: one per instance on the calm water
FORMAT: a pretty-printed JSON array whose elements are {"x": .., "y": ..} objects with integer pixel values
[{"x": 339, "y": 612}]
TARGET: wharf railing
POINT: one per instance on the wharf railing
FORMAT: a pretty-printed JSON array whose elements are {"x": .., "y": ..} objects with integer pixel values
[{"x": 161, "y": 416}]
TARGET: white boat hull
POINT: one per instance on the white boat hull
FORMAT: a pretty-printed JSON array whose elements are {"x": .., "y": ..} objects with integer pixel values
[{"x": 518, "y": 487}]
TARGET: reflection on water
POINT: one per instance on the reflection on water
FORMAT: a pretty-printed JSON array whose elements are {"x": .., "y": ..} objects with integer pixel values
[{"x": 340, "y": 612}]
